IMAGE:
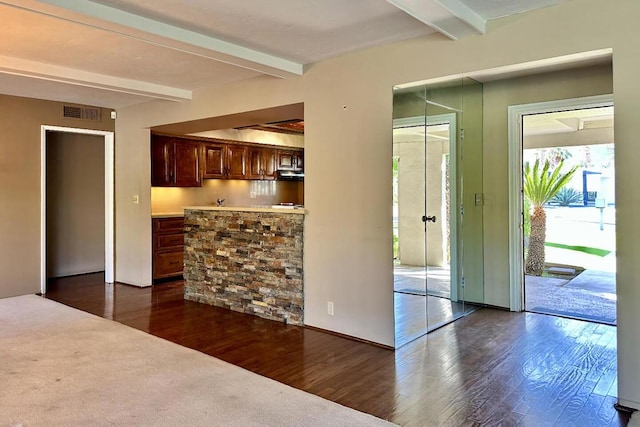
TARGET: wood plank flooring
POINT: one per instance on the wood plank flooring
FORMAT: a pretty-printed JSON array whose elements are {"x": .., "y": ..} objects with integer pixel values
[{"x": 489, "y": 368}]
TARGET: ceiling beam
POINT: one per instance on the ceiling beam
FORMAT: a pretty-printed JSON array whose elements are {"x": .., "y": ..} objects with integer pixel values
[
  {"x": 465, "y": 14},
  {"x": 127, "y": 24},
  {"x": 570, "y": 123},
  {"x": 451, "y": 18},
  {"x": 54, "y": 73}
]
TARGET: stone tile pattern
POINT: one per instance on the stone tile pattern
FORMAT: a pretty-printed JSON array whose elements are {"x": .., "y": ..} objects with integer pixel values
[{"x": 249, "y": 262}]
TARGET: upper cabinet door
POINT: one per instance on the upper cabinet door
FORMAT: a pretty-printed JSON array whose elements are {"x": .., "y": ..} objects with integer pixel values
[
  {"x": 290, "y": 160},
  {"x": 285, "y": 160},
  {"x": 162, "y": 161},
  {"x": 214, "y": 160},
  {"x": 175, "y": 162},
  {"x": 269, "y": 163},
  {"x": 261, "y": 163},
  {"x": 255, "y": 169},
  {"x": 237, "y": 161},
  {"x": 187, "y": 164}
]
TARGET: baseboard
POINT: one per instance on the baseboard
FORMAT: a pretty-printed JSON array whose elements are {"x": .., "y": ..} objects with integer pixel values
[
  {"x": 350, "y": 337},
  {"x": 120, "y": 282},
  {"x": 76, "y": 274},
  {"x": 167, "y": 279},
  {"x": 626, "y": 406}
]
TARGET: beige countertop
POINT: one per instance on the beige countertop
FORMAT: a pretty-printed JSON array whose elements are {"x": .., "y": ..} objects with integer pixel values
[
  {"x": 283, "y": 209},
  {"x": 167, "y": 214}
]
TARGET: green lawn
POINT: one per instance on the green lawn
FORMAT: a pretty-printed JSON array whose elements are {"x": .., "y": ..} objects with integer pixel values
[{"x": 585, "y": 249}]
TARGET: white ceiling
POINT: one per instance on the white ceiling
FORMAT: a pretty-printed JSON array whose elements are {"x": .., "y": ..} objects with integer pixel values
[{"x": 114, "y": 53}]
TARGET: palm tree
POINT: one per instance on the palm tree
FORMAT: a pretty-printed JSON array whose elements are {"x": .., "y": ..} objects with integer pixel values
[{"x": 539, "y": 187}]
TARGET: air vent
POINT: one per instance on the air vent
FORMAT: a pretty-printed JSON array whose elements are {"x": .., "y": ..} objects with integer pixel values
[{"x": 81, "y": 113}]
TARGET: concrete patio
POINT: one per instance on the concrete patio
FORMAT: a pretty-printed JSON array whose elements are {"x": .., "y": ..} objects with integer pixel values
[{"x": 591, "y": 295}]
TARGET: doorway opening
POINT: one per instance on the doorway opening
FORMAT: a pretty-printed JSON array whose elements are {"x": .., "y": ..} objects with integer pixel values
[
  {"x": 571, "y": 272},
  {"x": 68, "y": 199},
  {"x": 565, "y": 258}
]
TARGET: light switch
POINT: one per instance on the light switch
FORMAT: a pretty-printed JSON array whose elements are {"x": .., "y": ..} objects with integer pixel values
[{"x": 136, "y": 199}]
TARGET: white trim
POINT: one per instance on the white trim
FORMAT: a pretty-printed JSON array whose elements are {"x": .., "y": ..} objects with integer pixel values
[
  {"x": 109, "y": 263},
  {"x": 56, "y": 73},
  {"x": 449, "y": 17},
  {"x": 465, "y": 14},
  {"x": 629, "y": 404},
  {"x": 109, "y": 210},
  {"x": 516, "y": 113},
  {"x": 450, "y": 119}
]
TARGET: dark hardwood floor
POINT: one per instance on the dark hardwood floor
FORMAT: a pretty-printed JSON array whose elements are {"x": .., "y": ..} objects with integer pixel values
[{"x": 489, "y": 368}]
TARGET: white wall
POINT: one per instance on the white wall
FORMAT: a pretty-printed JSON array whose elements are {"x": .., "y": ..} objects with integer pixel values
[
  {"x": 75, "y": 204},
  {"x": 348, "y": 120}
]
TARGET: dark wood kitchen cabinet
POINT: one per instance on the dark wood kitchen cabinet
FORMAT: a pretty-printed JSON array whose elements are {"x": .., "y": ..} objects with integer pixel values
[
  {"x": 214, "y": 156},
  {"x": 224, "y": 161},
  {"x": 175, "y": 162},
  {"x": 291, "y": 160},
  {"x": 168, "y": 247},
  {"x": 236, "y": 161},
  {"x": 184, "y": 161},
  {"x": 261, "y": 163}
]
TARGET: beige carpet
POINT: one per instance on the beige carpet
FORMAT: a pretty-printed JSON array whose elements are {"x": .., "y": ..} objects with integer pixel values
[{"x": 61, "y": 366}]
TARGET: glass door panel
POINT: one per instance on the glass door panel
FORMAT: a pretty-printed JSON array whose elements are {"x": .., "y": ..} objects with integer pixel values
[
  {"x": 437, "y": 205},
  {"x": 409, "y": 199},
  {"x": 444, "y": 301}
]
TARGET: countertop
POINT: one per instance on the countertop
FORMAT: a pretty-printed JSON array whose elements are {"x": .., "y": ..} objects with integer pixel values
[
  {"x": 281, "y": 210},
  {"x": 167, "y": 214}
]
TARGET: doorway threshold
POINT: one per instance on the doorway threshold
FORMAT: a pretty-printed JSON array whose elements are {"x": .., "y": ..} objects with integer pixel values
[{"x": 575, "y": 316}]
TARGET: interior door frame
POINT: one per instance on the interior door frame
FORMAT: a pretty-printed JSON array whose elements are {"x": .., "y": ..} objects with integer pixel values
[
  {"x": 451, "y": 120},
  {"x": 109, "y": 199},
  {"x": 516, "y": 215}
]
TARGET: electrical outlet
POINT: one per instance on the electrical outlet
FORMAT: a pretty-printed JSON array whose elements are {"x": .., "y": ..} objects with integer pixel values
[
  {"x": 252, "y": 195},
  {"x": 330, "y": 308}
]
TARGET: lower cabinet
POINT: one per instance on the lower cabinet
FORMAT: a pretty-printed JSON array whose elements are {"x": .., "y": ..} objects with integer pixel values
[{"x": 168, "y": 247}]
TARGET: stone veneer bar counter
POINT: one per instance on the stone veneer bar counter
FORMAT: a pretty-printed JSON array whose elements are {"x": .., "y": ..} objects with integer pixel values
[{"x": 246, "y": 259}]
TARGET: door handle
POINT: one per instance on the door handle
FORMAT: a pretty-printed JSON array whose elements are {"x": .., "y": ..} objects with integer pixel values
[{"x": 428, "y": 218}]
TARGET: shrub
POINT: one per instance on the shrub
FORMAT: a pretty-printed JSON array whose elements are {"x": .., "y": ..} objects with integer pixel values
[{"x": 567, "y": 196}]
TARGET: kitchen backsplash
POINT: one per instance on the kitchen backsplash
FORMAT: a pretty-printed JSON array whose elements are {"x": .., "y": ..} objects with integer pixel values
[{"x": 235, "y": 193}]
